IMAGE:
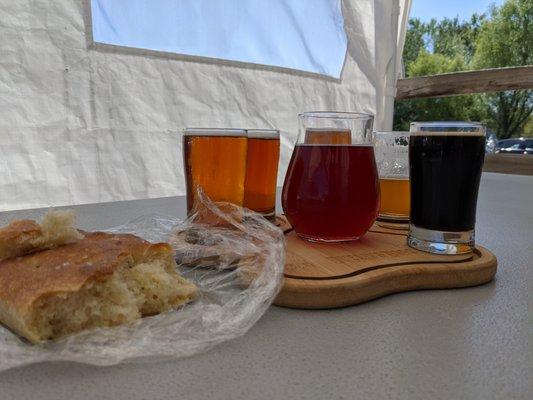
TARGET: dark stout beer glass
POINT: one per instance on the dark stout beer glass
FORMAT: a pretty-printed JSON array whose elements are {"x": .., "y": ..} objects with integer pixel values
[{"x": 445, "y": 162}]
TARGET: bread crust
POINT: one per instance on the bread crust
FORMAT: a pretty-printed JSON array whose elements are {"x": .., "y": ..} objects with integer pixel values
[
  {"x": 26, "y": 280},
  {"x": 26, "y": 236},
  {"x": 15, "y": 238}
]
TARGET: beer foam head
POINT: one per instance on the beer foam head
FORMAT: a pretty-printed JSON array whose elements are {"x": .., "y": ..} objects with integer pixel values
[
  {"x": 328, "y": 130},
  {"x": 262, "y": 133},
  {"x": 214, "y": 132},
  {"x": 447, "y": 128}
]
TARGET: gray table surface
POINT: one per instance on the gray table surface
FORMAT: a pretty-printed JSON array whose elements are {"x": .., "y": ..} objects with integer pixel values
[{"x": 441, "y": 344}]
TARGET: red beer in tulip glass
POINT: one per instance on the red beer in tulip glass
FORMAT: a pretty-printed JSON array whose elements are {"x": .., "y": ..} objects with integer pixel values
[{"x": 331, "y": 189}]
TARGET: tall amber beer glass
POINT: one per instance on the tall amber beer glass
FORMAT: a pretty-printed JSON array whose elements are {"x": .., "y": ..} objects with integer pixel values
[
  {"x": 215, "y": 161},
  {"x": 392, "y": 158},
  {"x": 262, "y": 171}
]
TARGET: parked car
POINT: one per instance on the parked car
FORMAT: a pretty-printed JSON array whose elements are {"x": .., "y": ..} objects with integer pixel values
[{"x": 515, "y": 146}]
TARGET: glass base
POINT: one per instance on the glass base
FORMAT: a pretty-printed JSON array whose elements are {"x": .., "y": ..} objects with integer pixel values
[
  {"x": 386, "y": 221},
  {"x": 269, "y": 215},
  {"x": 441, "y": 242},
  {"x": 322, "y": 240}
]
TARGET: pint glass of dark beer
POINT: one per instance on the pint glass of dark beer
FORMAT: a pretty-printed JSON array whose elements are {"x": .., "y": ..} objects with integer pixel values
[{"x": 445, "y": 162}]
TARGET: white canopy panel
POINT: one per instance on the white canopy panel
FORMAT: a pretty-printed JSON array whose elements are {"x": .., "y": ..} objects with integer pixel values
[
  {"x": 296, "y": 34},
  {"x": 82, "y": 122}
]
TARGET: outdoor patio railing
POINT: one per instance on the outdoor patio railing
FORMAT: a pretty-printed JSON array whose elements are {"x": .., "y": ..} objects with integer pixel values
[{"x": 468, "y": 82}]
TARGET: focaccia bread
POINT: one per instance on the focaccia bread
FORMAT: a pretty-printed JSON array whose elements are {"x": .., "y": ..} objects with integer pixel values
[
  {"x": 26, "y": 236},
  {"x": 102, "y": 280}
]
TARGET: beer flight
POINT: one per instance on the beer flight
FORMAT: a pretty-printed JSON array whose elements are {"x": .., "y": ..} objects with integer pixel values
[{"x": 343, "y": 176}]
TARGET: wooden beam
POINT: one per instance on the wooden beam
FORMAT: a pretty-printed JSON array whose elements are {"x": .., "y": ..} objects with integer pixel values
[
  {"x": 520, "y": 164},
  {"x": 456, "y": 83}
]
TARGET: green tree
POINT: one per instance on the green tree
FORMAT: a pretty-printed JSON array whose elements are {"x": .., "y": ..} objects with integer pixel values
[
  {"x": 503, "y": 38},
  {"x": 469, "y": 107},
  {"x": 528, "y": 127},
  {"x": 451, "y": 46},
  {"x": 454, "y": 38},
  {"x": 507, "y": 40},
  {"x": 414, "y": 41}
]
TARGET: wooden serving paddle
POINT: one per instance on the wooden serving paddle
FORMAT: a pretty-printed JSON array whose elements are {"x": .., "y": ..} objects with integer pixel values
[{"x": 321, "y": 275}]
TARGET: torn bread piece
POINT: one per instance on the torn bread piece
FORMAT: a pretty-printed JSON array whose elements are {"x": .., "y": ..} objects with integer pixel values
[
  {"x": 26, "y": 236},
  {"x": 103, "y": 280}
]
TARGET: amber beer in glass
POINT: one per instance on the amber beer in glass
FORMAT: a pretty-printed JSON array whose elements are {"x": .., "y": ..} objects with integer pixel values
[
  {"x": 215, "y": 161},
  {"x": 392, "y": 159},
  {"x": 331, "y": 191},
  {"x": 262, "y": 171},
  {"x": 394, "y": 199},
  {"x": 327, "y": 136}
]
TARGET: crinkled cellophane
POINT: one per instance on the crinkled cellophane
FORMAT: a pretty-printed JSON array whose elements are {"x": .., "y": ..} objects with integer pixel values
[{"x": 237, "y": 264}]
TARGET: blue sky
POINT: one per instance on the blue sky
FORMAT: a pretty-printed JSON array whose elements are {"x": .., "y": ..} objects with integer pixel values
[{"x": 438, "y": 9}]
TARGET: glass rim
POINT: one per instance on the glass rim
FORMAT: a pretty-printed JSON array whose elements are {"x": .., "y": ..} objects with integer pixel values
[
  {"x": 214, "y": 132},
  {"x": 447, "y": 126},
  {"x": 393, "y": 133},
  {"x": 336, "y": 115},
  {"x": 263, "y": 133}
]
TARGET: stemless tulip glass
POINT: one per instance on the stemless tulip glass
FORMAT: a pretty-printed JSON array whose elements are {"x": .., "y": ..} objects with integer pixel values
[{"x": 331, "y": 190}]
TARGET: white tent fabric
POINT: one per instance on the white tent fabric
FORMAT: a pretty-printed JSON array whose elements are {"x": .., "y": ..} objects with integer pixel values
[{"x": 83, "y": 123}]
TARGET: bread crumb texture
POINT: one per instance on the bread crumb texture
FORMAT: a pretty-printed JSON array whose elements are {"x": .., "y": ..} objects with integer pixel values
[
  {"x": 57, "y": 228},
  {"x": 131, "y": 292}
]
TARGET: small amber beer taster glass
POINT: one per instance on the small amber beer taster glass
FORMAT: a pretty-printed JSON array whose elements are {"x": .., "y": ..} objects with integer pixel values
[
  {"x": 215, "y": 162},
  {"x": 392, "y": 159},
  {"x": 445, "y": 163},
  {"x": 262, "y": 171}
]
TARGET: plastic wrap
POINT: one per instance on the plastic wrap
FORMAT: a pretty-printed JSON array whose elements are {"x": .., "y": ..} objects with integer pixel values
[{"x": 237, "y": 266}]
